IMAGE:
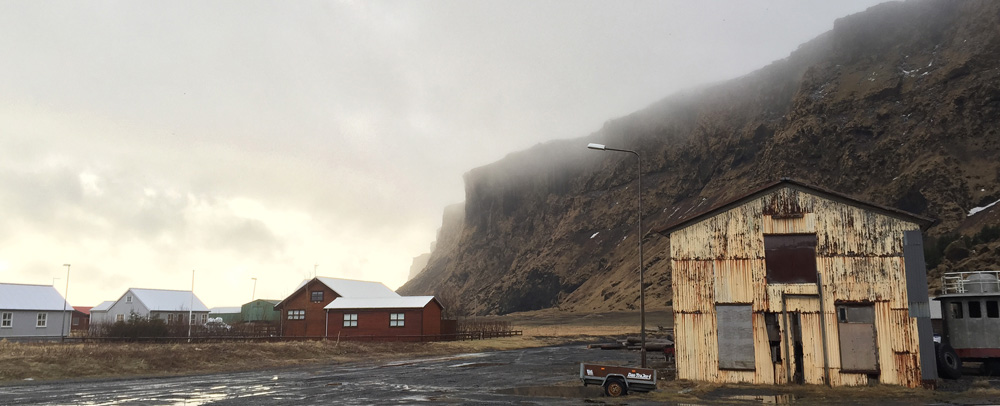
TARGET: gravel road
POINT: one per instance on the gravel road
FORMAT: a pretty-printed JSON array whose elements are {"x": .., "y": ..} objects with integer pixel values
[{"x": 528, "y": 376}]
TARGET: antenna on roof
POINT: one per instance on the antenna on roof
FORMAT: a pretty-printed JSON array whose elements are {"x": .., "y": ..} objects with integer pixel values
[{"x": 314, "y": 270}]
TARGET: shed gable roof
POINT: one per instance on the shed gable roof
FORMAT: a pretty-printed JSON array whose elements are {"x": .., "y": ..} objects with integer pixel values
[
  {"x": 103, "y": 307},
  {"x": 15, "y": 296},
  {"x": 793, "y": 184}
]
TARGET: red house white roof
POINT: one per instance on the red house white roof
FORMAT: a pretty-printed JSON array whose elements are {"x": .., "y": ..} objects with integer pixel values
[
  {"x": 401, "y": 302},
  {"x": 353, "y": 288}
]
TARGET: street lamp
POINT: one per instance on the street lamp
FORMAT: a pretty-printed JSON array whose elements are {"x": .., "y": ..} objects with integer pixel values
[
  {"x": 65, "y": 302},
  {"x": 642, "y": 289},
  {"x": 253, "y": 293}
]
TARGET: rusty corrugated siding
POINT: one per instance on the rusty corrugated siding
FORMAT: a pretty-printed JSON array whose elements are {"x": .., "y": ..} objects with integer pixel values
[{"x": 859, "y": 257}]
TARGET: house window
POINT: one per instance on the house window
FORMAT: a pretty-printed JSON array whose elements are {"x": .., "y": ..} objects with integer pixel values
[
  {"x": 120, "y": 317},
  {"x": 974, "y": 310},
  {"x": 351, "y": 320},
  {"x": 76, "y": 321},
  {"x": 204, "y": 318},
  {"x": 296, "y": 315},
  {"x": 7, "y": 320},
  {"x": 128, "y": 299},
  {"x": 43, "y": 320},
  {"x": 317, "y": 296},
  {"x": 992, "y": 311},
  {"x": 396, "y": 320},
  {"x": 790, "y": 258}
]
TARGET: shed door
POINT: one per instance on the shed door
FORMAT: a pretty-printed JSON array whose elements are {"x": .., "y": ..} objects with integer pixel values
[
  {"x": 735, "y": 323},
  {"x": 858, "y": 352}
]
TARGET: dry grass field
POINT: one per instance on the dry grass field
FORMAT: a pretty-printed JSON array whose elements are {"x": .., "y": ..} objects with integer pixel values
[{"x": 49, "y": 361}]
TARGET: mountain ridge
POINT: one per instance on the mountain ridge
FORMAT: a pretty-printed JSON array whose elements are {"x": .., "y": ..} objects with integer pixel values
[{"x": 894, "y": 106}]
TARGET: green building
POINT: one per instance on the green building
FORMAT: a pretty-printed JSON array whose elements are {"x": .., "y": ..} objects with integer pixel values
[{"x": 260, "y": 310}]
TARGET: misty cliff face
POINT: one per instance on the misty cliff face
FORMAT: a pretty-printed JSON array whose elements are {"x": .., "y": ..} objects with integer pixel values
[{"x": 896, "y": 105}]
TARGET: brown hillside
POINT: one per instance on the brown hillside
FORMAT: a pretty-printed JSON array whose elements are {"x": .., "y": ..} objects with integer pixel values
[{"x": 896, "y": 105}]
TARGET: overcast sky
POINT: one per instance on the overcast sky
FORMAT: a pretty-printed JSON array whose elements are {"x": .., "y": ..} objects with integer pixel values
[{"x": 142, "y": 140}]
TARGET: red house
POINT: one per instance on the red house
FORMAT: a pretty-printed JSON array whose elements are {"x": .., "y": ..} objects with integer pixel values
[
  {"x": 303, "y": 313},
  {"x": 414, "y": 318},
  {"x": 81, "y": 318}
]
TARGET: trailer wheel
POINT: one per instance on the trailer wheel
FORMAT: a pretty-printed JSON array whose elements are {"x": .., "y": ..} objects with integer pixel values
[
  {"x": 615, "y": 387},
  {"x": 948, "y": 363}
]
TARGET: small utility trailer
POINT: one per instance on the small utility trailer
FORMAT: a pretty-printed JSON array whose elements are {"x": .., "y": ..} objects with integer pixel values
[{"x": 616, "y": 380}]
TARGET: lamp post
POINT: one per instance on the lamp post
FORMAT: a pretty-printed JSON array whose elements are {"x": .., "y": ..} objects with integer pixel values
[
  {"x": 253, "y": 293},
  {"x": 642, "y": 289},
  {"x": 65, "y": 302},
  {"x": 191, "y": 307}
]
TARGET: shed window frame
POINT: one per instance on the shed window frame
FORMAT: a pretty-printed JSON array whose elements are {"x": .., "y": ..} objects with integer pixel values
[
  {"x": 42, "y": 320},
  {"x": 397, "y": 319},
  {"x": 975, "y": 310},
  {"x": 350, "y": 320},
  {"x": 992, "y": 310},
  {"x": 298, "y": 314},
  {"x": 786, "y": 261},
  {"x": 7, "y": 320},
  {"x": 955, "y": 310}
]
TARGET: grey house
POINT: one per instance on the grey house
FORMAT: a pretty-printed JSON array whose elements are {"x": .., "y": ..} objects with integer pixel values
[
  {"x": 29, "y": 312},
  {"x": 171, "y": 306},
  {"x": 99, "y": 313}
]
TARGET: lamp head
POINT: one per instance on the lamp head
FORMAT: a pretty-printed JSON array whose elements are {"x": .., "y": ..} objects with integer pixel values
[{"x": 599, "y": 147}]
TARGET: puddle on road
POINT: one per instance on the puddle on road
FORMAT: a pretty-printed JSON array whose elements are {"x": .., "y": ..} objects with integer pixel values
[
  {"x": 478, "y": 364},
  {"x": 554, "y": 391},
  {"x": 765, "y": 399}
]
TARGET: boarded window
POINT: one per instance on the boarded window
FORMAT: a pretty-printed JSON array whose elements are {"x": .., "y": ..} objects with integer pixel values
[
  {"x": 790, "y": 258},
  {"x": 735, "y": 324},
  {"x": 858, "y": 352},
  {"x": 974, "y": 310}
]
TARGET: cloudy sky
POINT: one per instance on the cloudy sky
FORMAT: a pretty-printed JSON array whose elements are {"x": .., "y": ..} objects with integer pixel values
[{"x": 243, "y": 139}]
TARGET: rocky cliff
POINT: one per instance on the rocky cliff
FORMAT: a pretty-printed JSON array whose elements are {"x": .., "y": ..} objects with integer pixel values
[{"x": 897, "y": 105}]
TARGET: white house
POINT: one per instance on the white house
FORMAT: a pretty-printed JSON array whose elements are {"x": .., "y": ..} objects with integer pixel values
[
  {"x": 171, "y": 306},
  {"x": 33, "y": 312}
]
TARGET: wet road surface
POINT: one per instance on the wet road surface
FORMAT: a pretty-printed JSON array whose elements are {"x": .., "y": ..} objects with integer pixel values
[{"x": 528, "y": 376}]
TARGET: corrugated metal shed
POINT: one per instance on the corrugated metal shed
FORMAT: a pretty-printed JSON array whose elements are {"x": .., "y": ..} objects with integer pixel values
[
  {"x": 161, "y": 300},
  {"x": 738, "y": 256},
  {"x": 31, "y": 297},
  {"x": 402, "y": 302},
  {"x": 224, "y": 310}
]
